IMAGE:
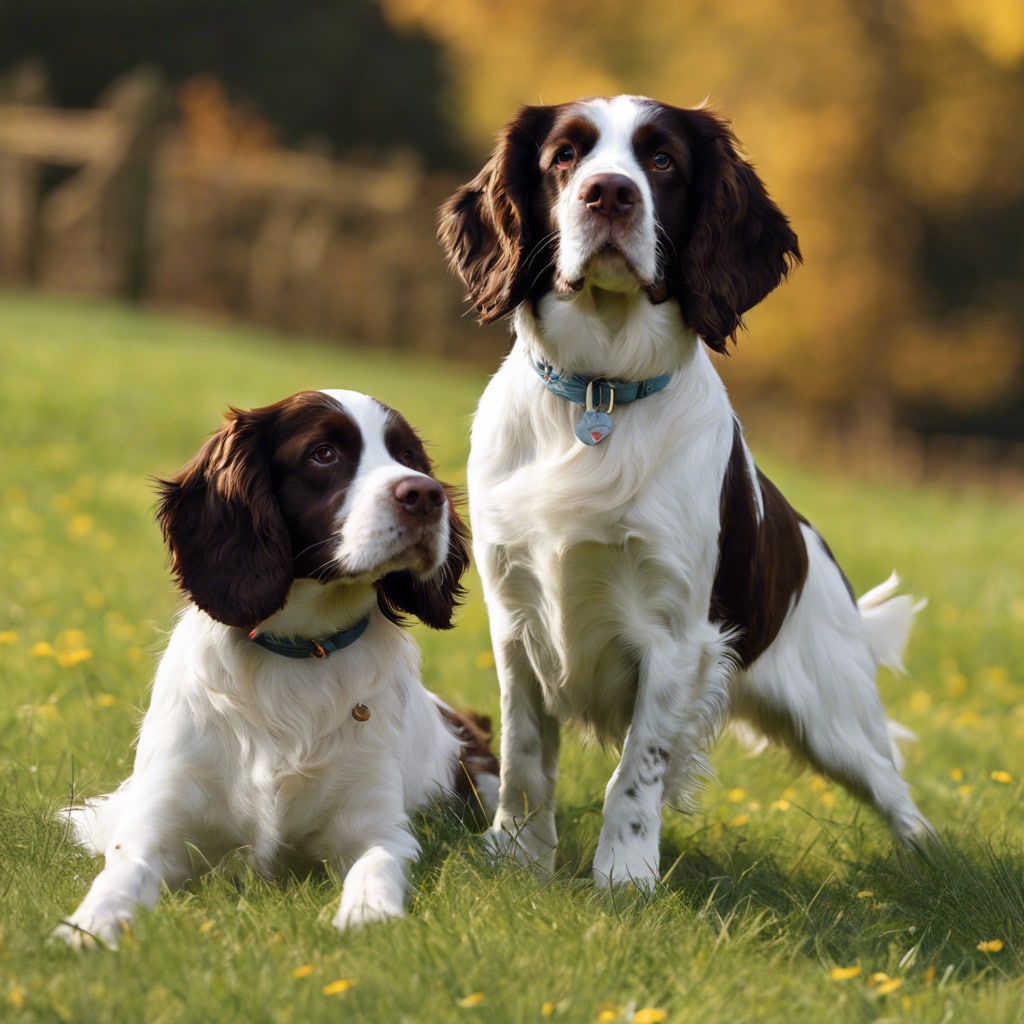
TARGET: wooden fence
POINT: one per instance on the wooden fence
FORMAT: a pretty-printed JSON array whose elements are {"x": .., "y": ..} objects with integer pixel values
[{"x": 121, "y": 201}]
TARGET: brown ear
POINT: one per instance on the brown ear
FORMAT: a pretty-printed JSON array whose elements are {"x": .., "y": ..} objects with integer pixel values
[
  {"x": 230, "y": 549},
  {"x": 741, "y": 245},
  {"x": 432, "y": 599},
  {"x": 486, "y": 229}
]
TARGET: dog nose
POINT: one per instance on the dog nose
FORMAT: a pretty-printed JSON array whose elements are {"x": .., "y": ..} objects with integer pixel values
[
  {"x": 612, "y": 195},
  {"x": 418, "y": 495}
]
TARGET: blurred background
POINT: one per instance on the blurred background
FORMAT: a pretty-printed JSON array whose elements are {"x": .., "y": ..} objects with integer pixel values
[{"x": 282, "y": 162}]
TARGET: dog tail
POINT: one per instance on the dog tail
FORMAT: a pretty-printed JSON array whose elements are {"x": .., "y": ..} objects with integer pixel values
[{"x": 887, "y": 618}]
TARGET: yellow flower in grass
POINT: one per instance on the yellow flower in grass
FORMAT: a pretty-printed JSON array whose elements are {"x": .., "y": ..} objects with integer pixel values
[
  {"x": 473, "y": 999},
  {"x": 844, "y": 973},
  {"x": 485, "y": 659},
  {"x": 16, "y": 997},
  {"x": 956, "y": 774},
  {"x": 105, "y": 700},
  {"x": 335, "y": 988},
  {"x": 736, "y": 795},
  {"x": 1005, "y": 778},
  {"x": 42, "y": 650},
  {"x": 66, "y": 659},
  {"x": 740, "y": 820},
  {"x": 992, "y": 946},
  {"x": 303, "y": 972},
  {"x": 606, "y": 1016},
  {"x": 782, "y": 804},
  {"x": 547, "y": 1009},
  {"x": 649, "y": 1015},
  {"x": 883, "y": 984},
  {"x": 8, "y": 637}
]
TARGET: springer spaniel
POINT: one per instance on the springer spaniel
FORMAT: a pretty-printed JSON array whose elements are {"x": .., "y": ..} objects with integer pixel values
[
  {"x": 642, "y": 576},
  {"x": 287, "y": 718}
]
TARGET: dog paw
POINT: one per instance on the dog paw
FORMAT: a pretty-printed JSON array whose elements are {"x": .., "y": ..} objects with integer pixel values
[
  {"x": 91, "y": 933},
  {"x": 632, "y": 864},
  {"x": 523, "y": 845},
  {"x": 367, "y": 908}
]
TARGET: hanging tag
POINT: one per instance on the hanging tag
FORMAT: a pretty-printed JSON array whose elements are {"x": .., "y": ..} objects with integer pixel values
[{"x": 594, "y": 426}]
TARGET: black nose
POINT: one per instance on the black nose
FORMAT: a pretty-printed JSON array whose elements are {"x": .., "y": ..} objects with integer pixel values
[
  {"x": 418, "y": 495},
  {"x": 613, "y": 195}
]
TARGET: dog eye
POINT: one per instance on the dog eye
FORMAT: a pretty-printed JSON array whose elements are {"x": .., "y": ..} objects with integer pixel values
[
  {"x": 564, "y": 157},
  {"x": 661, "y": 161},
  {"x": 408, "y": 459},
  {"x": 323, "y": 455}
]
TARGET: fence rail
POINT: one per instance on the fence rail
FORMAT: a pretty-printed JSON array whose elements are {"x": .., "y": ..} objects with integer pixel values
[{"x": 121, "y": 201}]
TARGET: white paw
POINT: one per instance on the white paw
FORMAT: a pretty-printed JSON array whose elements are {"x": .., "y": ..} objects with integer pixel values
[
  {"x": 524, "y": 844},
  {"x": 92, "y": 931},
  {"x": 362, "y": 908},
  {"x": 626, "y": 863}
]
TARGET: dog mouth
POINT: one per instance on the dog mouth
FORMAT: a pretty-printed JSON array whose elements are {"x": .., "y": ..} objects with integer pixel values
[
  {"x": 416, "y": 549},
  {"x": 610, "y": 268}
]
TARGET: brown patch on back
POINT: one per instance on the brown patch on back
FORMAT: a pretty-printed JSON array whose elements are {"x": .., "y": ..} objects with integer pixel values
[{"x": 762, "y": 562}]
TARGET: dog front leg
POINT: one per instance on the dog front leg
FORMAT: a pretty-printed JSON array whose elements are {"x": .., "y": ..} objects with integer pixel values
[
  {"x": 679, "y": 702},
  {"x": 132, "y": 876},
  {"x": 524, "y": 823},
  {"x": 376, "y": 884}
]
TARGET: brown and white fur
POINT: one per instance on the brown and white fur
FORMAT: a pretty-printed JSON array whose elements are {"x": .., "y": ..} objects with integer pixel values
[
  {"x": 296, "y": 520},
  {"x": 656, "y": 584}
]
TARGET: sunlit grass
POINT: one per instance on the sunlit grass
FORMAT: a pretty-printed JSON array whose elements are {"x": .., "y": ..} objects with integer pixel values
[{"x": 782, "y": 900}]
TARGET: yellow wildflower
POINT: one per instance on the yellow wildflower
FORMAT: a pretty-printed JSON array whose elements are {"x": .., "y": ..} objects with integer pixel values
[
  {"x": 607, "y": 1015},
  {"x": 80, "y": 526},
  {"x": 1000, "y": 776},
  {"x": 956, "y": 684},
  {"x": 740, "y": 820},
  {"x": 75, "y": 657},
  {"x": 106, "y": 700},
  {"x": 781, "y": 804},
  {"x": 473, "y": 999},
  {"x": 649, "y": 1015},
  {"x": 548, "y": 1009},
  {"x": 736, "y": 795},
  {"x": 956, "y": 774},
  {"x": 335, "y": 988},
  {"x": 865, "y": 894},
  {"x": 8, "y": 637},
  {"x": 42, "y": 650},
  {"x": 992, "y": 946},
  {"x": 889, "y": 986},
  {"x": 16, "y": 997},
  {"x": 304, "y": 971},
  {"x": 844, "y": 973},
  {"x": 818, "y": 784},
  {"x": 485, "y": 659}
]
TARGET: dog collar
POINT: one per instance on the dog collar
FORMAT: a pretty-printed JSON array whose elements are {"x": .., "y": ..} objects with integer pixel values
[
  {"x": 594, "y": 392},
  {"x": 302, "y": 648}
]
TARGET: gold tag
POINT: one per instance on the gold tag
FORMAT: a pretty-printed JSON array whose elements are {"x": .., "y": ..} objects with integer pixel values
[{"x": 361, "y": 713}]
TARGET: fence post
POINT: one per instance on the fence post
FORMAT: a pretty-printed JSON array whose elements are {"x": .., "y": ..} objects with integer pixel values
[
  {"x": 19, "y": 182},
  {"x": 102, "y": 213}
]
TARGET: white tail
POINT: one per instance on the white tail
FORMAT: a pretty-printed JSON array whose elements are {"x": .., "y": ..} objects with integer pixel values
[{"x": 887, "y": 618}]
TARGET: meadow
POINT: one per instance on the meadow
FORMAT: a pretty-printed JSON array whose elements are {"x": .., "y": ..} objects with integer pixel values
[{"x": 782, "y": 900}]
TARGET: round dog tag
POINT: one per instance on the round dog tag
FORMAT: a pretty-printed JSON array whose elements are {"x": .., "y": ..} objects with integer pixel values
[{"x": 594, "y": 426}]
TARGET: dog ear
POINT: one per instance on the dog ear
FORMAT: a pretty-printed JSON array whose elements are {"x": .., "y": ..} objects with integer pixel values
[
  {"x": 434, "y": 598},
  {"x": 740, "y": 246},
  {"x": 486, "y": 229},
  {"x": 229, "y": 545}
]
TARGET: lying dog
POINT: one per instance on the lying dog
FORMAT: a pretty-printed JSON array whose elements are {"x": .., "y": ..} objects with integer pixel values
[
  {"x": 287, "y": 718},
  {"x": 641, "y": 575}
]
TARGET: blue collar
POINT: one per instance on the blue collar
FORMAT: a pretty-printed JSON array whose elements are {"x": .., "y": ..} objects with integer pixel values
[
  {"x": 593, "y": 393},
  {"x": 302, "y": 648}
]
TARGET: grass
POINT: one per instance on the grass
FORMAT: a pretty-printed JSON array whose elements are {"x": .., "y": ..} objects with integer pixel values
[{"x": 782, "y": 901}]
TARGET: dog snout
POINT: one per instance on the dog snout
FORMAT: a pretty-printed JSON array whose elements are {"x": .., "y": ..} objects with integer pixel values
[
  {"x": 419, "y": 495},
  {"x": 611, "y": 195}
]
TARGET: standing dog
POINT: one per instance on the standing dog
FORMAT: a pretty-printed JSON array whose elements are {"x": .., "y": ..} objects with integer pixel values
[
  {"x": 642, "y": 576},
  {"x": 287, "y": 719}
]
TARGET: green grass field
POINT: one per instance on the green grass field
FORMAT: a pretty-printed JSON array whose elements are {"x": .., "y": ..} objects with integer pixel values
[{"x": 783, "y": 900}]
